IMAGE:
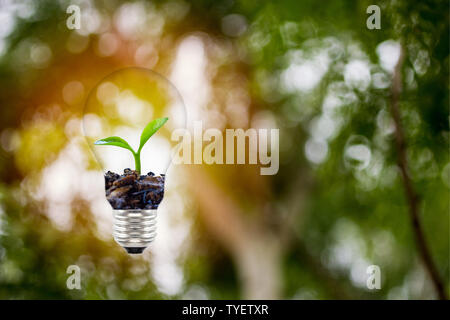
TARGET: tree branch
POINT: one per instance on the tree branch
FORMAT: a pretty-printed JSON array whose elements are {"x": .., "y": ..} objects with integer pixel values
[
  {"x": 411, "y": 195},
  {"x": 256, "y": 253}
]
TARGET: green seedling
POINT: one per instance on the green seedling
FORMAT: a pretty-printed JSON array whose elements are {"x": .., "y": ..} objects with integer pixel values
[{"x": 149, "y": 130}]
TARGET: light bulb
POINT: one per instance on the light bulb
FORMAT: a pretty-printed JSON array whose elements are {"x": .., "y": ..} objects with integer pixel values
[{"x": 122, "y": 104}]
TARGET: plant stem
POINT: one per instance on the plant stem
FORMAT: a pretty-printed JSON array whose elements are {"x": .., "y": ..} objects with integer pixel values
[{"x": 137, "y": 161}]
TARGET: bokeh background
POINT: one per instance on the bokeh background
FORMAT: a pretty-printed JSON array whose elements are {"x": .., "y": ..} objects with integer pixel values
[{"x": 311, "y": 69}]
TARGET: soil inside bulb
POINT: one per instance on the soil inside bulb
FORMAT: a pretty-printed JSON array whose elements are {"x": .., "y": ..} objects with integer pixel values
[{"x": 133, "y": 191}]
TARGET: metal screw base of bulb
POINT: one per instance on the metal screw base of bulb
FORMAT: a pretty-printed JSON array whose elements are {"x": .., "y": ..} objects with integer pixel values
[{"x": 134, "y": 229}]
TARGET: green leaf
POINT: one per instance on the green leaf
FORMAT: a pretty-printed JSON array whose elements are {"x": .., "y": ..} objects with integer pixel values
[
  {"x": 150, "y": 130},
  {"x": 114, "y": 141}
]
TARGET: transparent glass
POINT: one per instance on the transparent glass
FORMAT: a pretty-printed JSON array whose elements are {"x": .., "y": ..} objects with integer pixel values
[{"x": 122, "y": 104}]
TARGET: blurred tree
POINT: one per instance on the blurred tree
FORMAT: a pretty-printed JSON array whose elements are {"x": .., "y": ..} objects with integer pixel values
[{"x": 310, "y": 68}]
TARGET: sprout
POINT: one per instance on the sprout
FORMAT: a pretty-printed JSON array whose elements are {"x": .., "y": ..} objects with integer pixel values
[{"x": 149, "y": 130}]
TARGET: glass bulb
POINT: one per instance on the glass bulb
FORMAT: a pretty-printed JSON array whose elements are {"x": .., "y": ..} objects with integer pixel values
[{"x": 122, "y": 104}]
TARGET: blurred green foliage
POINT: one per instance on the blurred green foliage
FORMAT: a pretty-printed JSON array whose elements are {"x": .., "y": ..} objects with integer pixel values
[{"x": 351, "y": 216}]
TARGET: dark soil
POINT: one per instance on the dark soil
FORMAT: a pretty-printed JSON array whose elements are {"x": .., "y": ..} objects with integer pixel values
[{"x": 133, "y": 191}]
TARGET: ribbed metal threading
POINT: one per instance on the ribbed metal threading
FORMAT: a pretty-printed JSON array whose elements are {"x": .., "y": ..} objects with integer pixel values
[{"x": 134, "y": 229}]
